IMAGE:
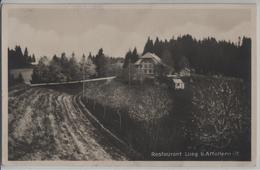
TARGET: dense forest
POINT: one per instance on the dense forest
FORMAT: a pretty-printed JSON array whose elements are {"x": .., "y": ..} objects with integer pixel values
[
  {"x": 207, "y": 56},
  {"x": 19, "y": 59},
  {"x": 16, "y": 60}
]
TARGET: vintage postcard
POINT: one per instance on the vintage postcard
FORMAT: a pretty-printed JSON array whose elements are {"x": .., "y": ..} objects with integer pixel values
[{"x": 129, "y": 84}]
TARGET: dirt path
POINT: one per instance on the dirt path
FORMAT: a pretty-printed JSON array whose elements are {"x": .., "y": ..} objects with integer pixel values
[{"x": 45, "y": 124}]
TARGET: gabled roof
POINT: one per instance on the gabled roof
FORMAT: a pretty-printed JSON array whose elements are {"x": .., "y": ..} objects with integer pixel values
[
  {"x": 149, "y": 55},
  {"x": 177, "y": 81}
]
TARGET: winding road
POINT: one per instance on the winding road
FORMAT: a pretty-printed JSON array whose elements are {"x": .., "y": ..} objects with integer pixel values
[{"x": 45, "y": 124}]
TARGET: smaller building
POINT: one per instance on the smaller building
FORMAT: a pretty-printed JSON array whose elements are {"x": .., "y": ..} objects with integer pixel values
[
  {"x": 185, "y": 72},
  {"x": 172, "y": 75},
  {"x": 178, "y": 84}
]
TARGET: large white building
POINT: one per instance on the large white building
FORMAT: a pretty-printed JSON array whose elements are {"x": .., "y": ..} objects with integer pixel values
[{"x": 147, "y": 64}]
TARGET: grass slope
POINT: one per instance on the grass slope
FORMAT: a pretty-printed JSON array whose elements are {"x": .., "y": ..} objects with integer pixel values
[{"x": 211, "y": 114}]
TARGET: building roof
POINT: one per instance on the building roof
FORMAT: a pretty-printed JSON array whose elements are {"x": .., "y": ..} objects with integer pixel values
[
  {"x": 149, "y": 55},
  {"x": 177, "y": 81}
]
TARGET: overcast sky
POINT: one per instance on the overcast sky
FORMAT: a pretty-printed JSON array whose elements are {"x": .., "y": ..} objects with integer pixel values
[{"x": 49, "y": 31}]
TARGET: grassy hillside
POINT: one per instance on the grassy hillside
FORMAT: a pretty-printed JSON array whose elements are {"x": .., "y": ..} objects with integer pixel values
[
  {"x": 144, "y": 102},
  {"x": 220, "y": 115},
  {"x": 211, "y": 114}
]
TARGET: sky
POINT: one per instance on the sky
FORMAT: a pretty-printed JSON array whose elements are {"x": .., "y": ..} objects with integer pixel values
[{"x": 116, "y": 29}]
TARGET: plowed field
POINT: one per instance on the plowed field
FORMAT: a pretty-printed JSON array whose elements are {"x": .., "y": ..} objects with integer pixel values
[{"x": 46, "y": 124}]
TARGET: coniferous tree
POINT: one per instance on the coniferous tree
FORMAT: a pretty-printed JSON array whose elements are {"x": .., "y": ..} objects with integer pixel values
[
  {"x": 167, "y": 58},
  {"x": 135, "y": 56},
  {"x": 101, "y": 63},
  {"x": 245, "y": 58},
  {"x": 159, "y": 47},
  {"x": 148, "y": 46},
  {"x": 20, "y": 60},
  {"x": 207, "y": 56},
  {"x": 33, "y": 58},
  {"x": 26, "y": 56},
  {"x": 128, "y": 59}
]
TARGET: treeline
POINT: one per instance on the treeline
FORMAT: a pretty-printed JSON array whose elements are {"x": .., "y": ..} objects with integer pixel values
[
  {"x": 207, "y": 56},
  {"x": 19, "y": 59},
  {"x": 67, "y": 68}
]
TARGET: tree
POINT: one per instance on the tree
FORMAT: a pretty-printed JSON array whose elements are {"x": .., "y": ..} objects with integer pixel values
[
  {"x": 26, "y": 56},
  {"x": 217, "y": 120},
  {"x": 167, "y": 58},
  {"x": 56, "y": 73},
  {"x": 131, "y": 74},
  {"x": 207, "y": 56},
  {"x": 87, "y": 66},
  {"x": 74, "y": 69},
  {"x": 12, "y": 62},
  {"x": 245, "y": 58},
  {"x": 159, "y": 46},
  {"x": 183, "y": 63},
  {"x": 41, "y": 73},
  {"x": 130, "y": 57},
  {"x": 101, "y": 63},
  {"x": 33, "y": 58},
  {"x": 20, "y": 60},
  {"x": 148, "y": 46},
  {"x": 127, "y": 59},
  {"x": 64, "y": 61},
  {"x": 135, "y": 56}
]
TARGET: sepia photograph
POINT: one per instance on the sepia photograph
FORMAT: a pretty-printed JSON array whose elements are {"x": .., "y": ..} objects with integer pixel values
[{"x": 128, "y": 82}]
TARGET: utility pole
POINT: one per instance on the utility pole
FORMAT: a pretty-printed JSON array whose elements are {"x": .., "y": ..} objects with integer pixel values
[
  {"x": 129, "y": 71},
  {"x": 83, "y": 78}
]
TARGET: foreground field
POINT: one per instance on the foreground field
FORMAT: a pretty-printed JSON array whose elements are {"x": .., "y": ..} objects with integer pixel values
[
  {"x": 45, "y": 124},
  {"x": 210, "y": 114}
]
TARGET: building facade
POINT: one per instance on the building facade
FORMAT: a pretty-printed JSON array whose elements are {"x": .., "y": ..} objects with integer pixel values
[{"x": 147, "y": 64}]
